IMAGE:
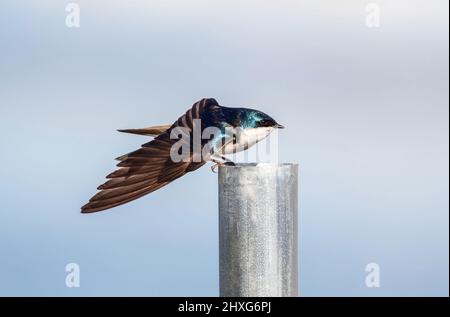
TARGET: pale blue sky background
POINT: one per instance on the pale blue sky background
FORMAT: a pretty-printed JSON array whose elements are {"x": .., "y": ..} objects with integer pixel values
[{"x": 367, "y": 117}]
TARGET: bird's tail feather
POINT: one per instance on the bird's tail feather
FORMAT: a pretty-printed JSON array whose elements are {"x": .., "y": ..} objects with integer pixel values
[{"x": 150, "y": 131}]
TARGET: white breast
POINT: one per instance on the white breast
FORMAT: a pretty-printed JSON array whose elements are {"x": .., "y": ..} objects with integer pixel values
[{"x": 246, "y": 138}]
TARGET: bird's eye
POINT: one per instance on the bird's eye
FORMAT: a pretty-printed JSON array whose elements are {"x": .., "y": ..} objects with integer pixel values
[{"x": 265, "y": 123}]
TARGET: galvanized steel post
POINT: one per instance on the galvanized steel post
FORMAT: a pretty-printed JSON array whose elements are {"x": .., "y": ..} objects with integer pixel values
[{"x": 258, "y": 230}]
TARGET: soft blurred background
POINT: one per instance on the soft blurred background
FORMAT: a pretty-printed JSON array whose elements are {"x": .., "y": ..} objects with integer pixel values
[{"x": 367, "y": 117}]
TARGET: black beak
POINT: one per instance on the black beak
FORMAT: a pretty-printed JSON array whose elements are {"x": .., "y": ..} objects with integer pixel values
[{"x": 279, "y": 126}]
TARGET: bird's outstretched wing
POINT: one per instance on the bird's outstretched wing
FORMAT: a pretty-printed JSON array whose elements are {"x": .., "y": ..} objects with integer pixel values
[{"x": 149, "y": 168}]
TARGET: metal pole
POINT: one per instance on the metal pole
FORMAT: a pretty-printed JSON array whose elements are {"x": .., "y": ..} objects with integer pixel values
[{"x": 258, "y": 230}]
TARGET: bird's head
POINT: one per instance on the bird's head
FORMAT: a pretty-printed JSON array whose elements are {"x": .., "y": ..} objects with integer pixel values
[{"x": 258, "y": 119}]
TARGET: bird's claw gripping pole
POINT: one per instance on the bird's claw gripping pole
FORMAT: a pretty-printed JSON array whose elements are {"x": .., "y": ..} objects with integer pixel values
[
  {"x": 215, "y": 167},
  {"x": 222, "y": 163}
]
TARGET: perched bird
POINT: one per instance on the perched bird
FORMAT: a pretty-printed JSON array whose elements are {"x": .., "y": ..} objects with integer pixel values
[{"x": 153, "y": 166}]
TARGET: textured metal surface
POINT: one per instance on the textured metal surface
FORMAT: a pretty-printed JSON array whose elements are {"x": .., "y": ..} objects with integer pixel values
[{"x": 258, "y": 230}]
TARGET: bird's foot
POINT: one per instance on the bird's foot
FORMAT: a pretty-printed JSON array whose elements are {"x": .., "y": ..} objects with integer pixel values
[{"x": 216, "y": 166}]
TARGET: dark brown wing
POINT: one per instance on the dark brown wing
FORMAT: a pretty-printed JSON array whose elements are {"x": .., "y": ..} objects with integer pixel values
[{"x": 149, "y": 168}]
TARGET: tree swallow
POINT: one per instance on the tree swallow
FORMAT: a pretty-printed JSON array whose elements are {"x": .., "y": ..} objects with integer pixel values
[{"x": 206, "y": 132}]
